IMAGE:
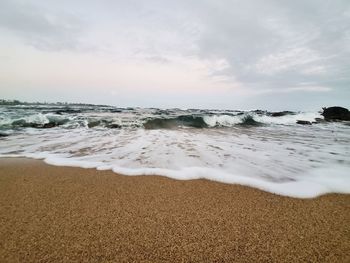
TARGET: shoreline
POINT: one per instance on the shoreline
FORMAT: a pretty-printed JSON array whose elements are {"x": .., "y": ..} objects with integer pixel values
[
  {"x": 309, "y": 188},
  {"x": 56, "y": 213}
]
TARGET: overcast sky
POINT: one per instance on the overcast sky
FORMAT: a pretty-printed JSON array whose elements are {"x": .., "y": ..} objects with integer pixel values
[{"x": 227, "y": 54}]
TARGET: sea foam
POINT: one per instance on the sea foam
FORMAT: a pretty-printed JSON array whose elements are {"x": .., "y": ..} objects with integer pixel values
[
  {"x": 277, "y": 156},
  {"x": 315, "y": 183}
]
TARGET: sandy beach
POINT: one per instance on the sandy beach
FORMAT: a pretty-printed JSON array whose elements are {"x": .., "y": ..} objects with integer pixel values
[{"x": 61, "y": 214}]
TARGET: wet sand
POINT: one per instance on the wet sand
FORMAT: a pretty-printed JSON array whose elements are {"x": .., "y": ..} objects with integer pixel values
[{"x": 61, "y": 214}]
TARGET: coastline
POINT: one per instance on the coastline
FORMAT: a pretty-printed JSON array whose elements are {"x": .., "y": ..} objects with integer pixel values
[{"x": 54, "y": 214}]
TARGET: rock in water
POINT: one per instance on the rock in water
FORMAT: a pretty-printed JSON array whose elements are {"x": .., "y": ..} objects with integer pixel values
[
  {"x": 336, "y": 113},
  {"x": 281, "y": 113},
  {"x": 114, "y": 126},
  {"x": 50, "y": 125},
  {"x": 3, "y": 134},
  {"x": 303, "y": 122}
]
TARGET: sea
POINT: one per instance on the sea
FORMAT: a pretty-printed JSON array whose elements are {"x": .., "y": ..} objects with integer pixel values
[{"x": 265, "y": 150}]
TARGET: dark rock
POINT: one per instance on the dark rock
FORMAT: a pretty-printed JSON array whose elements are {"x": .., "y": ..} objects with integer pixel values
[
  {"x": 114, "y": 126},
  {"x": 259, "y": 112},
  {"x": 281, "y": 113},
  {"x": 67, "y": 110},
  {"x": 116, "y": 110},
  {"x": 303, "y": 122},
  {"x": 3, "y": 134},
  {"x": 50, "y": 125},
  {"x": 336, "y": 113},
  {"x": 92, "y": 124}
]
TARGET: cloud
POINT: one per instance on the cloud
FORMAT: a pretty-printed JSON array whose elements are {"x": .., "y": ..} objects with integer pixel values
[
  {"x": 298, "y": 49},
  {"x": 44, "y": 29},
  {"x": 284, "y": 61},
  {"x": 272, "y": 44}
]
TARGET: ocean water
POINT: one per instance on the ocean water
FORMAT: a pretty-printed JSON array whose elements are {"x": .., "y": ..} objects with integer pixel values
[{"x": 252, "y": 148}]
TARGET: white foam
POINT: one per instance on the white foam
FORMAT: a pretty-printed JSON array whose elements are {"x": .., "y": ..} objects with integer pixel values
[
  {"x": 37, "y": 118},
  {"x": 230, "y": 121},
  {"x": 288, "y": 119},
  {"x": 308, "y": 187},
  {"x": 222, "y": 120},
  {"x": 291, "y": 160},
  {"x": 317, "y": 182}
]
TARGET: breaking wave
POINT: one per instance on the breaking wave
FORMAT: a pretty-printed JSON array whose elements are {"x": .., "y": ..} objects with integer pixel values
[
  {"x": 156, "y": 119},
  {"x": 180, "y": 121},
  {"x": 265, "y": 150}
]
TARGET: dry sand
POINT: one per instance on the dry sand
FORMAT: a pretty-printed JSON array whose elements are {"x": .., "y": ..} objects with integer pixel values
[{"x": 58, "y": 214}]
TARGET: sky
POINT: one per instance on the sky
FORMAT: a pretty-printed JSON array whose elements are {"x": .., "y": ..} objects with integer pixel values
[{"x": 225, "y": 54}]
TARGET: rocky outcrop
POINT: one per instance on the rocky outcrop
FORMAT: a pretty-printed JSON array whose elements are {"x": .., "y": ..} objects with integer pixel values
[
  {"x": 67, "y": 111},
  {"x": 114, "y": 126},
  {"x": 103, "y": 123},
  {"x": 336, "y": 114},
  {"x": 303, "y": 122},
  {"x": 281, "y": 113},
  {"x": 259, "y": 112},
  {"x": 3, "y": 134},
  {"x": 50, "y": 125}
]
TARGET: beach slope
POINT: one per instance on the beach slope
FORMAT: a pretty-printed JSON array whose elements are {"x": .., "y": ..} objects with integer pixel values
[{"x": 62, "y": 214}]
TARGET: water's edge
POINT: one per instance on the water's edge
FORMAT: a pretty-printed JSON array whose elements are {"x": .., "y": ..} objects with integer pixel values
[{"x": 305, "y": 189}]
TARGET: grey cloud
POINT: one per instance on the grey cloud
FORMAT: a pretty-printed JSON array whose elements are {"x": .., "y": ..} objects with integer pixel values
[
  {"x": 41, "y": 28},
  {"x": 278, "y": 43},
  {"x": 293, "y": 48}
]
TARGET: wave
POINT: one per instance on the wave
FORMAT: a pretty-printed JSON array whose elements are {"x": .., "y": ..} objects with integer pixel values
[
  {"x": 33, "y": 121},
  {"x": 118, "y": 118},
  {"x": 249, "y": 121},
  {"x": 279, "y": 157},
  {"x": 244, "y": 119},
  {"x": 208, "y": 121},
  {"x": 257, "y": 119},
  {"x": 180, "y": 121}
]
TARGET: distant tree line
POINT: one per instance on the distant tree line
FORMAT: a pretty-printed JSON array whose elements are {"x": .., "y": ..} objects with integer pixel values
[
  {"x": 10, "y": 102},
  {"x": 17, "y": 102}
]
